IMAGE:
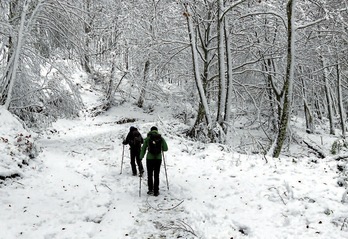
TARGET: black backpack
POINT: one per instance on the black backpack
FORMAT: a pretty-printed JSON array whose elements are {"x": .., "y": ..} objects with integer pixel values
[
  {"x": 155, "y": 144},
  {"x": 136, "y": 140}
]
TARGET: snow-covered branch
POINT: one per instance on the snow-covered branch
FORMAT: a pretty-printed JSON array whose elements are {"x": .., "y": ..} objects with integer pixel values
[
  {"x": 311, "y": 23},
  {"x": 278, "y": 15},
  {"x": 227, "y": 9}
]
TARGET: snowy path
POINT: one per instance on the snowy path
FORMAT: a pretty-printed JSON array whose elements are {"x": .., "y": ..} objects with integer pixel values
[
  {"x": 70, "y": 195},
  {"x": 76, "y": 191}
]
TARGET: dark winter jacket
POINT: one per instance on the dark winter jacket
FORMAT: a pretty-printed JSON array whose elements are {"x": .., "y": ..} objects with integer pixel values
[
  {"x": 133, "y": 132},
  {"x": 145, "y": 147}
]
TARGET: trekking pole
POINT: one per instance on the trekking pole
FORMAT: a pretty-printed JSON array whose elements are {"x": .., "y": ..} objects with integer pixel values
[
  {"x": 139, "y": 186},
  {"x": 122, "y": 159},
  {"x": 165, "y": 169}
]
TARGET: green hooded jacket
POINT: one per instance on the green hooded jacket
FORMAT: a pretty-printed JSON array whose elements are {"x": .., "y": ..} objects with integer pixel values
[{"x": 146, "y": 143}]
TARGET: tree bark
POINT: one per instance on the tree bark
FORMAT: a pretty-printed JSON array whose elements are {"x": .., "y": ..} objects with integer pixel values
[
  {"x": 307, "y": 110},
  {"x": 328, "y": 95},
  {"x": 111, "y": 89},
  {"x": 10, "y": 49},
  {"x": 229, "y": 76},
  {"x": 288, "y": 84},
  {"x": 274, "y": 96},
  {"x": 199, "y": 119},
  {"x": 197, "y": 74},
  {"x": 16, "y": 53},
  {"x": 207, "y": 55},
  {"x": 141, "y": 99},
  {"x": 222, "y": 67},
  {"x": 87, "y": 29},
  {"x": 340, "y": 101}
]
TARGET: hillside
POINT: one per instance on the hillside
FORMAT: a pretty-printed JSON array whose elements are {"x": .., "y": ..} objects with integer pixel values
[{"x": 72, "y": 187}]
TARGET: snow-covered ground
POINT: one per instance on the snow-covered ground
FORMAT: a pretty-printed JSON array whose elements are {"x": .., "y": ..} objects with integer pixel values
[{"x": 74, "y": 188}]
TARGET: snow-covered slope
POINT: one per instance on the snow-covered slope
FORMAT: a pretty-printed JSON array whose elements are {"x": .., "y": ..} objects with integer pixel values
[
  {"x": 75, "y": 189},
  {"x": 16, "y": 146},
  {"x": 79, "y": 191}
]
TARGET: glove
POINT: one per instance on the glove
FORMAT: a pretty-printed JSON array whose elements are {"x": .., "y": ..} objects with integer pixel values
[{"x": 124, "y": 142}]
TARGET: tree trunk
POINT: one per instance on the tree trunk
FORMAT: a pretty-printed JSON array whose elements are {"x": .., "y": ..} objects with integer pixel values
[
  {"x": 207, "y": 59},
  {"x": 10, "y": 57},
  {"x": 340, "y": 101},
  {"x": 143, "y": 88},
  {"x": 17, "y": 53},
  {"x": 328, "y": 95},
  {"x": 288, "y": 84},
  {"x": 222, "y": 68},
  {"x": 195, "y": 62},
  {"x": 199, "y": 119},
  {"x": 274, "y": 103},
  {"x": 110, "y": 90},
  {"x": 229, "y": 76},
  {"x": 87, "y": 29},
  {"x": 317, "y": 107},
  {"x": 307, "y": 110},
  {"x": 308, "y": 116}
]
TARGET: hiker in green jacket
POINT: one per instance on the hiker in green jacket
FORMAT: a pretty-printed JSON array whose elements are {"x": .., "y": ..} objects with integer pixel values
[{"x": 154, "y": 144}]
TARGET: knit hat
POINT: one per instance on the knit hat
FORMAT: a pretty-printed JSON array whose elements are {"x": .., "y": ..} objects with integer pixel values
[{"x": 154, "y": 128}]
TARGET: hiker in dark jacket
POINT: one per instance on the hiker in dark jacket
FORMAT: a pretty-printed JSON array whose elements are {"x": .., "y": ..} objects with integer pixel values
[
  {"x": 153, "y": 158},
  {"x": 134, "y": 139}
]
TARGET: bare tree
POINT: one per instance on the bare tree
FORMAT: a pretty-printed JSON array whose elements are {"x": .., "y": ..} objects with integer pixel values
[
  {"x": 289, "y": 78},
  {"x": 32, "y": 97},
  {"x": 196, "y": 67}
]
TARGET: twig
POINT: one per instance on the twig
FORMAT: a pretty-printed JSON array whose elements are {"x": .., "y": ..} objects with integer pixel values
[
  {"x": 106, "y": 186},
  {"x": 344, "y": 223},
  {"x": 75, "y": 152},
  {"x": 260, "y": 145},
  {"x": 162, "y": 209},
  {"x": 104, "y": 149},
  {"x": 181, "y": 225},
  {"x": 278, "y": 194},
  {"x": 18, "y": 183}
]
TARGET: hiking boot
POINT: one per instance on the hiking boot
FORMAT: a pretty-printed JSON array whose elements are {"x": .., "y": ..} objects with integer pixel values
[
  {"x": 141, "y": 173},
  {"x": 150, "y": 192},
  {"x": 156, "y": 194},
  {"x": 134, "y": 174}
]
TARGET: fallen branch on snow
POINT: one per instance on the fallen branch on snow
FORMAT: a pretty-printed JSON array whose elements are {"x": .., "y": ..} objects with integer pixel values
[
  {"x": 316, "y": 149},
  {"x": 179, "y": 225},
  {"x": 338, "y": 157},
  {"x": 159, "y": 208}
]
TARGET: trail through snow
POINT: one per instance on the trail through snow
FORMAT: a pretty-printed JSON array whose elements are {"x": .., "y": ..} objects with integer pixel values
[{"x": 75, "y": 190}]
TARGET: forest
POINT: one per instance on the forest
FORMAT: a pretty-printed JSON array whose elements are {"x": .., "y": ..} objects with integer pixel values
[
  {"x": 259, "y": 62},
  {"x": 250, "y": 95}
]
